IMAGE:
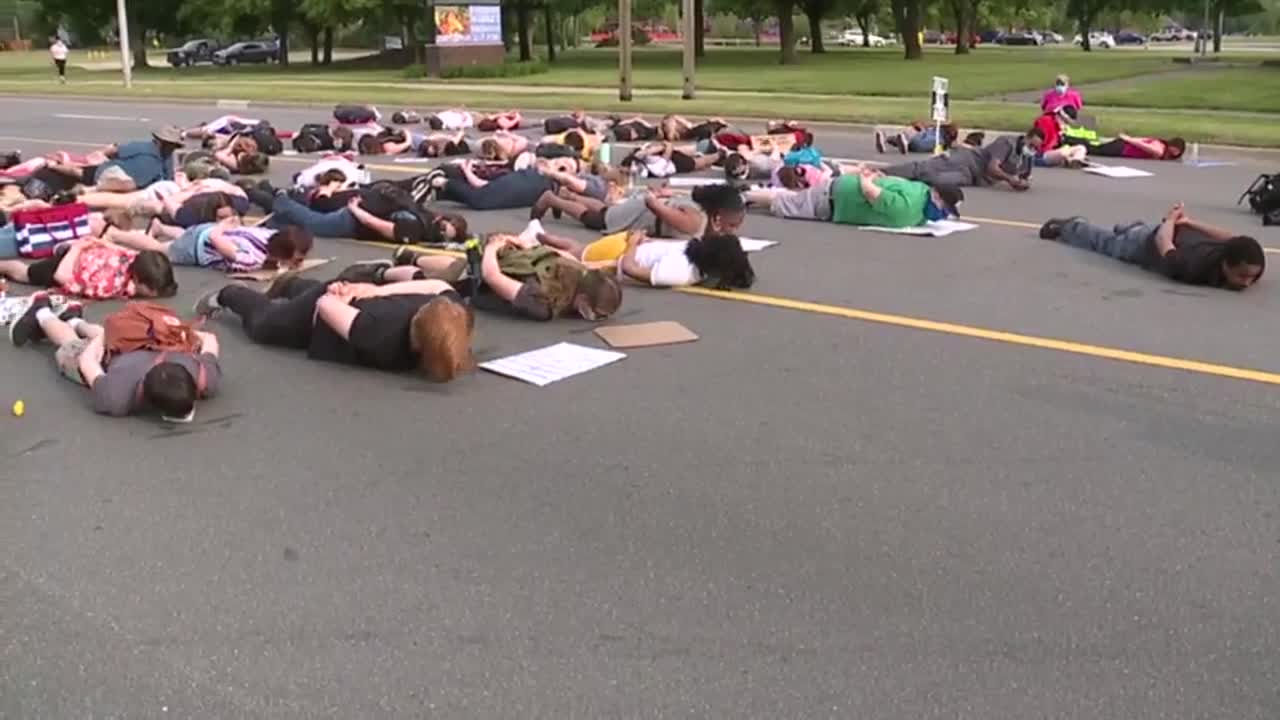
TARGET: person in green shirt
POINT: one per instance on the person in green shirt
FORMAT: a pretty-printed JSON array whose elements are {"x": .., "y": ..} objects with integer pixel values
[{"x": 864, "y": 197}]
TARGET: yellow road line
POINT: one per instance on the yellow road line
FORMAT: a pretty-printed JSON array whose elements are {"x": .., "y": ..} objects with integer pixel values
[
  {"x": 1009, "y": 338},
  {"x": 970, "y": 331}
]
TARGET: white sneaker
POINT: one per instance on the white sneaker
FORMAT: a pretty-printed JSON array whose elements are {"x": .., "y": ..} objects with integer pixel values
[{"x": 529, "y": 235}]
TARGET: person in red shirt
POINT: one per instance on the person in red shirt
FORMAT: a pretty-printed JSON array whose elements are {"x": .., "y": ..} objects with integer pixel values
[
  {"x": 1053, "y": 153},
  {"x": 97, "y": 270}
]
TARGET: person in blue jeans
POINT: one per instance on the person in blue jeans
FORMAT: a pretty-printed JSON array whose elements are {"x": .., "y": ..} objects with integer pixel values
[
  {"x": 1179, "y": 247},
  {"x": 356, "y": 222},
  {"x": 516, "y": 189}
]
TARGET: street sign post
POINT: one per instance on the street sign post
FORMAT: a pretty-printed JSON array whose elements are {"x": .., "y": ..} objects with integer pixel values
[{"x": 940, "y": 109}]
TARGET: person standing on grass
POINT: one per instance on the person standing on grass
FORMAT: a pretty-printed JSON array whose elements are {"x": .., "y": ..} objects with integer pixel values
[{"x": 58, "y": 51}]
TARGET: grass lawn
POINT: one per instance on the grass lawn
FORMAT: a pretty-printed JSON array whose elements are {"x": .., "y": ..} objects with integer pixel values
[
  {"x": 857, "y": 71},
  {"x": 1253, "y": 89}
]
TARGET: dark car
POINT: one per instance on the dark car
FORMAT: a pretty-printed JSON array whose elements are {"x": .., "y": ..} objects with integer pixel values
[
  {"x": 1025, "y": 37},
  {"x": 192, "y": 52},
  {"x": 1126, "y": 37},
  {"x": 991, "y": 36},
  {"x": 253, "y": 51}
]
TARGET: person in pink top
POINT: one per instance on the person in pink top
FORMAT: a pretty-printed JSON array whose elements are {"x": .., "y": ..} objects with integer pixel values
[
  {"x": 1140, "y": 148},
  {"x": 1061, "y": 95}
]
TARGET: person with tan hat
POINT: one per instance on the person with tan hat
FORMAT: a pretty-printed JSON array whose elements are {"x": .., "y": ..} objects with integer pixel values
[{"x": 135, "y": 165}]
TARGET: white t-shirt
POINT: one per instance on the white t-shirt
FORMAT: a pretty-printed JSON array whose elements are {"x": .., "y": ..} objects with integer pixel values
[
  {"x": 454, "y": 119},
  {"x": 659, "y": 167},
  {"x": 58, "y": 50},
  {"x": 356, "y": 174},
  {"x": 667, "y": 264}
]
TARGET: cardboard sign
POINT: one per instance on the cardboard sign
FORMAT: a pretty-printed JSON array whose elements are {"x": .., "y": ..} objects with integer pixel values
[{"x": 648, "y": 334}]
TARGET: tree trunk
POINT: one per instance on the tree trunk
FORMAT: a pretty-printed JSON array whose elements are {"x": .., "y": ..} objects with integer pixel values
[
  {"x": 522, "y": 29},
  {"x": 786, "y": 32},
  {"x": 906, "y": 13},
  {"x": 1084, "y": 34},
  {"x": 138, "y": 40},
  {"x": 551, "y": 35},
  {"x": 313, "y": 34},
  {"x": 328, "y": 46},
  {"x": 1217, "y": 30},
  {"x": 815, "y": 32},
  {"x": 864, "y": 24},
  {"x": 699, "y": 31},
  {"x": 961, "y": 8},
  {"x": 755, "y": 25},
  {"x": 282, "y": 30}
]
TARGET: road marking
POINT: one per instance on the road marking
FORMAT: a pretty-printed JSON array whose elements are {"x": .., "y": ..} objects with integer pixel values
[
  {"x": 418, "y": 170},
  {"x": 956, "y": 329},
  {"x": 74, "y": 116}
]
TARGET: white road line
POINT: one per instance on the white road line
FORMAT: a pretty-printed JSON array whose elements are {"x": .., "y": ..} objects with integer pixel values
[{"x": 74, "y": 116}]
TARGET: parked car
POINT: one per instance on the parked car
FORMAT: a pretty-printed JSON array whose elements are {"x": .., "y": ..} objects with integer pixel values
[
  {"x": 1128, "y": 37},
  {"x": 253, "y": 51},
  {"x": 933, "y": 37},
  {"x": 1101, "y": 40},
  {"x": 1173, "y": 33},
  {"x": 1022, "y": 37},
  {"x": 192, "y": 52},
  {"x": 1049, "y": 37},
  {"x": 853, "y": 38},
  {"x": 974, "y": 39}
]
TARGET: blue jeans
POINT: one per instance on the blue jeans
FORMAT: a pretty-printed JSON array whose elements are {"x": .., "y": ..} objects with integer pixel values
[
  {"x": 1130, "y": 243},
  {"x": 518, "y": 189},
  {"x": 337, "y": 224},
  {"x": 8, "y": 242},
  {"x": 923, "y": 141}
]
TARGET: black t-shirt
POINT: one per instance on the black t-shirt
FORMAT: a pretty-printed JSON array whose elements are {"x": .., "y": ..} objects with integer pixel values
[
  {"x": 334, "y": 201},
  {"x": 379, "y": 335},
  {"x": 1196, "y": 259}
]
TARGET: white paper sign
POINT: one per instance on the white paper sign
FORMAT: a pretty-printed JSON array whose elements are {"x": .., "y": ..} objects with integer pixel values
[
  {"x": 755, "y": 244},
  {"x": 549, "y": 364},
  {"x": 1116, "y": 171},
  {"x": 935, "y": 228},
  {"x": 694, "y": 181}
]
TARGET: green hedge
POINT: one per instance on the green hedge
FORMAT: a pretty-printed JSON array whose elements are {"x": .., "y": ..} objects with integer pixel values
[{"x": 505, "y": 70}]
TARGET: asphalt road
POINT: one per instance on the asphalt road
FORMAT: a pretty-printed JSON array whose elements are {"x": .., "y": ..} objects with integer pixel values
[{"x": 801, "y": 515}]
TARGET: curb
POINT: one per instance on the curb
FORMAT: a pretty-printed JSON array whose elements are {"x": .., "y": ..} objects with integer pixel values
[{"x": 236, "y": 104}]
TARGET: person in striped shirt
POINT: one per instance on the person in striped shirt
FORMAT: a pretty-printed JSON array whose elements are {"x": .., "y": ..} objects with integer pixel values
[{"x": 225, "y": 245}]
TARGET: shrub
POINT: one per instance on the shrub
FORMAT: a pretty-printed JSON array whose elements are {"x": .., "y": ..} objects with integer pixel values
[{"x": 509, "y": 69}]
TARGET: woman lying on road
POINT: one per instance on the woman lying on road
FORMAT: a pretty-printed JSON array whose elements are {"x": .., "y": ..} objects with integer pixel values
[
  {"x": 97, "y": 270},
  {"x": 1139, "y": 148},
  {"x": 516, "y": 189},
  {"x": 420, "y": 325},
  {"x": 718, "y": 259},
  {"x": 225, "y": 245},
  {"x": 540, "y": 283},
  {"x": 712, "y": 208},
  {"x": 664, "y": 159},
  {"x": 502, "y": 147}
]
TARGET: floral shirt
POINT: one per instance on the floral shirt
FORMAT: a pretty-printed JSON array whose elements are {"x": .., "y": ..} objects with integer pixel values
[{"x": 102, "y": 273}]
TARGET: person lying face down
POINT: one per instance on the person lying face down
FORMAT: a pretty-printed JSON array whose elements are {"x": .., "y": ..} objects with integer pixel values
[
  {"x": 122, "y": 383},
  {"x": 98, "y": 270},
  {"x": 576, "y": 143},
  {"x": 541, "y": 283},
  {"x": 502, "y": 147},
  {"x": 1140, "y": 148},
  {"x": 384, "y": 211},
  {"x": 1007, "y": 159},
  {"x": 516, "y": 189},
  {"x": 864, "y": 196},
  {"x": 665, "y": 159},
  {"x": 714, "y": 259},
  {"x": 416, "y": 325},
  {"x": 710, "y": 208},
  {"x": 1180, "y": 247},
  {"x": 225, "y": 245}
]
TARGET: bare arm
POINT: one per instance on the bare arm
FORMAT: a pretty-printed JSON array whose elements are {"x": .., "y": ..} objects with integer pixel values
[
  {"x": 870, "y": 190},
  {"x": 502, "y": 286},
  {"x": 224, "y": 247},
  {"x": 412, "y": 287},
  {"x": 630, "y": 267},
  {"x": 679, "y": 219},
  {"x": 1164, "y": 236},
  {"x": 91, "y": 360},
  {"x": 573, "y": 182},
  {"x": 471, "y": 177},
  {"x": 335, "y": 312},
  {"x": 67, "y": 266},
  {"x": 1213, "y": 232},
  {"x": 208, "y": 343},
  {"x": 385, "y": 228}
]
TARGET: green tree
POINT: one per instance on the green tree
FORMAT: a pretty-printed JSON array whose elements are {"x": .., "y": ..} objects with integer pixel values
[{"x": 814, "y": 11}]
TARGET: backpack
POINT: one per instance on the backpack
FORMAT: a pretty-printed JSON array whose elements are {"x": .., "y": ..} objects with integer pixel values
[
  {"x": 148, "y": 326},
  {"x": 557, "y": 125},
  {"x": 312, "y": 138},
  {"x": 354, "y": 114},
  {"x": 1264, "y": 198},
  {"x": 38, "y": 231},
  {"x": 405, "y": 117},
  {"x": 268, "y": 141}
]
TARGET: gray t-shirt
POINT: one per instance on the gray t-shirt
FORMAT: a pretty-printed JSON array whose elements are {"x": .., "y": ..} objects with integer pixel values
[
  {"x": 597, "y": 187},
  {"x": 119, "y": 391},
  {"x": 762, "y": 167}
]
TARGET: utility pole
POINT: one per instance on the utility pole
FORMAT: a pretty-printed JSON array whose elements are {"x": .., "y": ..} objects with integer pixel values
[
  {"x": 126, "y": 62},
  {"x": 688, "y": 31},
  {"x": 624, "y": 49}
]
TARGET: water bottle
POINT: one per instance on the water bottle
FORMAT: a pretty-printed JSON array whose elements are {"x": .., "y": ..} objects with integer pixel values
[
  {"x": 605, "y": 154},
  {"x": 634, "y": 175},
  {"x": 474, "y": 258}
]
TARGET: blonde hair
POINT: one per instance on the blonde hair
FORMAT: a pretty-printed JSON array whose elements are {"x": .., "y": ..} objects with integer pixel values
[
  {"x": 440, "y": 333},
  {"x": 489, "y": 149}
]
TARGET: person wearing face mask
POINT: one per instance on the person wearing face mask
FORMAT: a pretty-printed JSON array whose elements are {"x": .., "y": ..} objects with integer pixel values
[
  {"x": 1007, "y": 159},
  {"x": 1061, "y": 95}
]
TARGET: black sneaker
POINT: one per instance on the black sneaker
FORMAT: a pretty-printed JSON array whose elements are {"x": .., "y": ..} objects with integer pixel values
[
  {"x": 365, "y": 272},
  {"x": 1052, "y": 230},
  {"x": 71, "y": 311},
  {"x": 207, "y": 305},
  {"x": 27, "y": 328},
  {"x": 405, "y": 256}
]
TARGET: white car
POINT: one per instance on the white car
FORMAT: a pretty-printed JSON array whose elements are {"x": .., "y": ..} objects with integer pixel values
[
  {"x": 1102, "y": 40},
  {"x": 853, "y": 38}
]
